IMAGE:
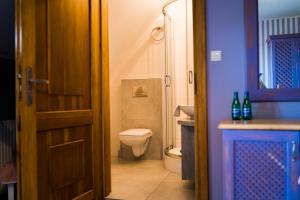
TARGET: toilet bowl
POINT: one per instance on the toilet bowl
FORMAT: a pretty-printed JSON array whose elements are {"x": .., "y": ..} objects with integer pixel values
[{"x": 138, "y": 139}]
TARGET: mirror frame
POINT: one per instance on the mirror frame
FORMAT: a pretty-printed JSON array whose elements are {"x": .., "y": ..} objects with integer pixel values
[{"x": 251, "y": 34}]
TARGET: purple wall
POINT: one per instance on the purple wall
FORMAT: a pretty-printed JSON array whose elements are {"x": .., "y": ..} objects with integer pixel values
[{"x": 225, "y": 32}]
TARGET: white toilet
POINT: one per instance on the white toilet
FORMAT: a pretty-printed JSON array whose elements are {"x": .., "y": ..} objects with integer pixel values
[{"x": 138, "y": 139}]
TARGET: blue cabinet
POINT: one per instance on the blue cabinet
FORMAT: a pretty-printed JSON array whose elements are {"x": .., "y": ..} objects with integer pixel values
[
  {"x": 261, "y": 165},
  {"x": 188, "y": 152}
]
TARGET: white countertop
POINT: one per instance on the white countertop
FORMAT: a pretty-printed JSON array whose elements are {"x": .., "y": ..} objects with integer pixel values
[
  {"x": 186, "y": 122},
  {"x": 261, "y": 124}
]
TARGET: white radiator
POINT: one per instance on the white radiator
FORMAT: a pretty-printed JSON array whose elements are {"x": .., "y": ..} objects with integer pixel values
[{"x": 7, "y": 141}]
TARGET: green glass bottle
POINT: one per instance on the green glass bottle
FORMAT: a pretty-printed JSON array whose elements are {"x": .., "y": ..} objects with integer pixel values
[
  {"x": 246, "y": 109},
  {"x": 236, "y": 107}
]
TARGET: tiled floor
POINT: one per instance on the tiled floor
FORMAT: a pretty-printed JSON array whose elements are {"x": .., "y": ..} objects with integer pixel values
[{"x": 147, "y": 180}]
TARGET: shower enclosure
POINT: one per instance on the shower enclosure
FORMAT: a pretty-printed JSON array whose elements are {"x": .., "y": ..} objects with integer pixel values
[
  {"x": 178, "y": 74},
  {"x": 170, "y": 139}
]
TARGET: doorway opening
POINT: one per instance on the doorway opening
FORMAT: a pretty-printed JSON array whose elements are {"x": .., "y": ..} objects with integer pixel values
[
  {"x": 151, "y": 77},
  {"x": 8, "y": 173}
]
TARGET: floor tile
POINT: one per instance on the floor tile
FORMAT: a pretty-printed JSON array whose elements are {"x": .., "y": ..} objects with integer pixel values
[
  {"x": 174, "y": 188},
  {"x": 147, "y": 180}
]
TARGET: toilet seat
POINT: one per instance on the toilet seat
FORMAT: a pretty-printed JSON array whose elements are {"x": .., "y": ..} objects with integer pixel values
[
  {"x": 136, "y": 132},
  {"x": 138, "y": 139}
]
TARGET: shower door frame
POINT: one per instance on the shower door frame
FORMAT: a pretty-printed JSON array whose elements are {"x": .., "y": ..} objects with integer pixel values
[
  {"x": 170, "y": 126},
  {"x": 201, "y": 132}
]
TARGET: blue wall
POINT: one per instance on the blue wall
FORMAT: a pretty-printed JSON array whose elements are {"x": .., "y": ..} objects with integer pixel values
[{"x": 225, "y": 31}]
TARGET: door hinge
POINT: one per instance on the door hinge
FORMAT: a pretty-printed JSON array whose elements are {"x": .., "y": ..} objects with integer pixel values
[
  {"x": 195, "y": 83},
  {"x": 19, "y": 77},
  {"x": 19, "y": 125}
]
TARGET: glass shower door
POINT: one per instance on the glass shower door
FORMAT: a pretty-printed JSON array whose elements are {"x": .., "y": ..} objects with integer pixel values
[{"x": 169, "y": 87}]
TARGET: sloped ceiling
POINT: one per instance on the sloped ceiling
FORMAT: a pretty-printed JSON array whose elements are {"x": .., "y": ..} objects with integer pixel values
[{"x": 128, "y": 19}]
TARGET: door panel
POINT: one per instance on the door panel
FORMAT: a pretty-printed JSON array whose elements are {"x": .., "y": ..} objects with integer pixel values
[
  {"x": 65, "y": 161},
  {"x": 69, "y": 155},
  {"x": 60, "y": 42},
  {"x": 64, "y": 106},
  {"x": 63, "y": 56},
  {"x": 68, "y": 45}
]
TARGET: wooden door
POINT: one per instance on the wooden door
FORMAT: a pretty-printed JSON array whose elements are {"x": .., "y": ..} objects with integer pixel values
[{"x": 60, "y": 146}]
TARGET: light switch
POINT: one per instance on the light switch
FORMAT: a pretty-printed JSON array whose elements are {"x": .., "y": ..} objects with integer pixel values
[{"x": 216, "y": 56}]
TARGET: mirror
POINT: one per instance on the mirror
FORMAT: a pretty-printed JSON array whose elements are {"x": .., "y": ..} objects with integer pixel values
[
  {"x": 273, "y": 49},
  {"x": 279, "y": 40}
]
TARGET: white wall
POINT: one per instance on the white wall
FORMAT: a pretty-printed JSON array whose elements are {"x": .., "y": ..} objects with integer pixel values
[
  {"x": 190, "y": 50},
  {"x": 133, "y": 55}
]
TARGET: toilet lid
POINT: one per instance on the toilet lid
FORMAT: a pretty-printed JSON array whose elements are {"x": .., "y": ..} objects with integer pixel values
[{"x": 136, "y": 132}]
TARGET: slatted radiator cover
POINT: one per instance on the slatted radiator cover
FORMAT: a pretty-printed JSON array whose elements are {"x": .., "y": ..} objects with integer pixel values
[{"x": 7, "y": 141}]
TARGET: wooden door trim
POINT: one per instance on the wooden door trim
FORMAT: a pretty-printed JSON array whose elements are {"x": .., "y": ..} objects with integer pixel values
[
  {"x": 105, "y": 100},
  {"x": 26, "y": 120},
  {"x": 201, "y": 131},
  {"x": 96, "y": 98}
]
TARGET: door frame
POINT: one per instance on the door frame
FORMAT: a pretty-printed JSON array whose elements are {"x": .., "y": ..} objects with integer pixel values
[
  {"x": 201, "y": 131},
  {"x": 201, "y": 128},
  {"x": 25, "y": 34}
]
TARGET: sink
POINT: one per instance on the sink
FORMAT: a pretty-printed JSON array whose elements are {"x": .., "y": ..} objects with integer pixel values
[{"x": 187, "y": 109}]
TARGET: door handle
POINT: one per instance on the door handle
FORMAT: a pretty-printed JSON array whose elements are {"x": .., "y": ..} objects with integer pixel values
[
  {"x": 30, "y": 81},
  {"x": 167, "y": 80},
  {"x": 39, "y": 81},
  {"x": 190, "y": 77},
  {"x": 294, "y": 151}
]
